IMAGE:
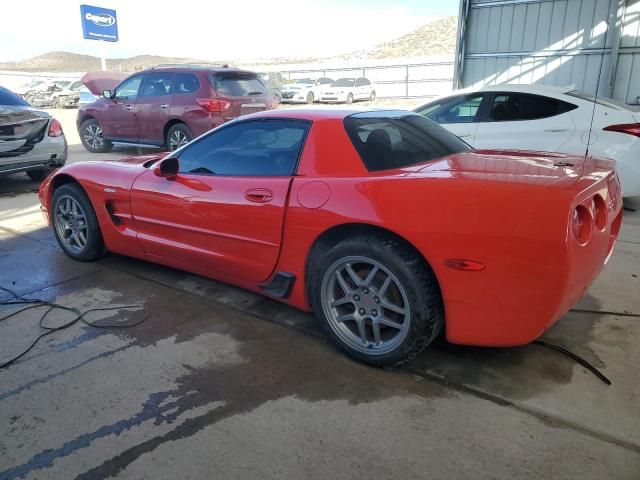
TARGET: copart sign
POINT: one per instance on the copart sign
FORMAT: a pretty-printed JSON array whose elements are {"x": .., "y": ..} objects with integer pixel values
[{"x": 99, "y": 23}]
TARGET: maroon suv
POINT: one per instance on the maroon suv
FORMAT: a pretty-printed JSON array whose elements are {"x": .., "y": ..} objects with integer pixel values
[{"x": 167, "y": 106}]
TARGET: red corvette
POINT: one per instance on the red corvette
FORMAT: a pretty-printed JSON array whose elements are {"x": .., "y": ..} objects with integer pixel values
[{"x": 384, "y": 224}]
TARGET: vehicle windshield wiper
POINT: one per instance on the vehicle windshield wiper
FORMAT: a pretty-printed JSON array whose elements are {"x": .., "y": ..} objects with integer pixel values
[{"x": 254, "y": 93}]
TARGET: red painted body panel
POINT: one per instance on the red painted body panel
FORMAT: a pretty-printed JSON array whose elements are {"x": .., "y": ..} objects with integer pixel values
[{"x": 510, "y": 211}]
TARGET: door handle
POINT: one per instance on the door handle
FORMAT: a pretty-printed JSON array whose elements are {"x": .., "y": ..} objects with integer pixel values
[
  {"x": 556, "y": 130},
  {"x": 164, "y": 105},
  {"x": 259, "y": 195},
  {"x": 128, "y": 107},
  {"x": 464, "y": 136}
]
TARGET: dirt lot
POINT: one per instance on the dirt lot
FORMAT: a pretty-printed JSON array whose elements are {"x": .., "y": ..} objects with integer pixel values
[{"x": 221, "y": 383}]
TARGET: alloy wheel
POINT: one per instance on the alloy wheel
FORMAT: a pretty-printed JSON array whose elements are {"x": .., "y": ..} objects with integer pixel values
[
  {"x": 71, "y": 224},
  {"x": 93, "y": 136},
  {"x": 178, "y": 139},
  {"x": 366, "y": 305}
]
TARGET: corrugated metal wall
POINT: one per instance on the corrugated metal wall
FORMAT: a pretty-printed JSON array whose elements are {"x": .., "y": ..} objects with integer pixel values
[{"x": 555, "y": 42}]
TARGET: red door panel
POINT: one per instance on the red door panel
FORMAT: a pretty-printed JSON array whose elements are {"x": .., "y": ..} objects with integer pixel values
[{"x": 229, "y": 225}]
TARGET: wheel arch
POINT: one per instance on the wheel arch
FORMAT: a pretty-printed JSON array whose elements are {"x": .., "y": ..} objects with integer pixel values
[
  {"x": 57, "y": 181},
  {"x": 340, "y": 232}
]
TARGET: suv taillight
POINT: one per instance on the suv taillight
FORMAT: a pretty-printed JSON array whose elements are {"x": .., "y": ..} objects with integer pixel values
[
  {"x": 628, "y": 128},
  {"x": 55, "y": 129},
  {"x": 214, "y": 106}
]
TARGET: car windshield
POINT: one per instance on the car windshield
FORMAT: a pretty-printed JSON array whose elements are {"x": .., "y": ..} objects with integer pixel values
[
  {"x": 396, "y": 139},
  {"x": 237, "y": 84},
  {"x": 9, "y": 98},
  {"x": 306, "y": 81},
  {"x": 344, "y": 82}
]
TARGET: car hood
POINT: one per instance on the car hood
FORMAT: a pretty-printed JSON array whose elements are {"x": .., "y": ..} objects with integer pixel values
[
  {"x": 20, "y": 124},
  {"x": 98, "y": 82}
]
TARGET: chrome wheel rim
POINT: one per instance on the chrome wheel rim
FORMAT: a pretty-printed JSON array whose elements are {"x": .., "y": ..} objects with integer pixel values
[
  {"x": 177, "y": 140},
  {"x": 93, "y": 136},
  {"x": 366, "y": 305},
  {"x": 71, "y": 224}
]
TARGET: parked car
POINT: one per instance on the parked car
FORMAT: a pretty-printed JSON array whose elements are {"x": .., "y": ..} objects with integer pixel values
[
  {"x": 539, "y": 117},
  {"x": 68, "y": 96},
  {"x": 168, "y": 106},
  {"x": 273, "y": 81},
  {"x": 31, "y": 140},
  {"x": 348, "y": 90},
  {"x": 305, "y": 90},
  {"x": 85, "y": 96},
  {"x": 386, "y": 225}
]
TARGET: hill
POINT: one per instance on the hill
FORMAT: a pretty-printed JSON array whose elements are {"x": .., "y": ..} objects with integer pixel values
[{"x": 435, "y": 38}]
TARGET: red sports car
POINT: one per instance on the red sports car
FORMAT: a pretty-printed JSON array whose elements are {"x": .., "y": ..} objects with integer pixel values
[{"x": 383, "y": 223}]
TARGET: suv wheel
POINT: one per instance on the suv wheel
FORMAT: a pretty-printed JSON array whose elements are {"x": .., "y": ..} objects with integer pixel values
[
  {"x": 178, "y": 136},
  {"x": 92, "y": 137}
]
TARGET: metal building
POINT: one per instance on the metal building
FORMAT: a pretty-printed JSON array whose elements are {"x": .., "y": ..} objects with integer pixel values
[{"x": 592, "y": 44}]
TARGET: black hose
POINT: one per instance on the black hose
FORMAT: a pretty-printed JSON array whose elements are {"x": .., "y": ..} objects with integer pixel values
[
  {"x": 79, "y": 316},
  {"x": 578, "y": 359}
]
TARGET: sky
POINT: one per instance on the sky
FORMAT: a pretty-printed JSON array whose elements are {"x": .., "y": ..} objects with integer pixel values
[{"x": 213, "y": 30}]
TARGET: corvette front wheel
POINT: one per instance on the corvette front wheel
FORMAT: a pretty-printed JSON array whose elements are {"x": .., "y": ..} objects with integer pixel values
[
  {"x": 377, "y": 299},
  {"x": 75, "y": 224}
]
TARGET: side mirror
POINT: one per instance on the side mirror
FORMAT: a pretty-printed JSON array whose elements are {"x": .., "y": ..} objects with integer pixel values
[
  {"x": 167, "y": 168},
  {"x": 107, "y": 94}
]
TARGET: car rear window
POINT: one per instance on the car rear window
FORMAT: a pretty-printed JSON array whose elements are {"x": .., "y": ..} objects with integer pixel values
[
  {"x": 7, "y": 97},
  {"x": 387, "y": 140},
  {"x": 237, "y": 84}
]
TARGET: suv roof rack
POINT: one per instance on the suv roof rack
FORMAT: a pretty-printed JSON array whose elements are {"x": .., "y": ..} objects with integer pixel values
[{"x": 190, "y": 65}]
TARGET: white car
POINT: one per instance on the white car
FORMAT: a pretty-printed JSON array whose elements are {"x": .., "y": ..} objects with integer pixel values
[
  {"x": 545, "y": 118},
  {"x": 348, "y": 90},
  {"x": 305, "y": 90}
]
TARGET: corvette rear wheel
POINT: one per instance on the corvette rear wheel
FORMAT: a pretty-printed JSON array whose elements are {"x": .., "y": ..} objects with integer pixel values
[
  {"x": 75, "y": 224},
  {"x": 92, "y": 137},
  {"x": 377, "y": 300}
]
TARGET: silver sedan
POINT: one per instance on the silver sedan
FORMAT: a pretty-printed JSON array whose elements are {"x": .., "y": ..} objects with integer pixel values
[{"x": 31, "y": 140}]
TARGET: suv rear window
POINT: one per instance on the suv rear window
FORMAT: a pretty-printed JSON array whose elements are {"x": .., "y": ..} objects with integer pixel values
[
  {"x": 7, "y": 97},
  {"x": 237, "y": 84},
  {"x": 387, "y": 140}
]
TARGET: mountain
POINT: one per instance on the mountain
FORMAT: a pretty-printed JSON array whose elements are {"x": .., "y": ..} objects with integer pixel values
[{"x": 435, "y": 38}]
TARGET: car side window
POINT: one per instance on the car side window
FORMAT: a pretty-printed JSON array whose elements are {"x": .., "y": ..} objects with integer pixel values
[
  {"x": 128, "y": 90},
  {"x": 185, "y": 83},
  {"x": 459, "y": 110},
  {"x": 359, "y": 82},
  {"x": 157, "y": 84},
  {"x": 249, "y": 148},
  {"x": 511, "y": 107},
  {"x": 364, "y": 82}
]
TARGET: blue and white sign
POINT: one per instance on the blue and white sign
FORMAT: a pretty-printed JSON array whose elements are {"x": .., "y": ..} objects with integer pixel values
[{"x": 99, "y": 23}]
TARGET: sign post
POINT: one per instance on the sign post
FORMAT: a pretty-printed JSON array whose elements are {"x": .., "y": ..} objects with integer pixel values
[{"x": 99, "y": 24}]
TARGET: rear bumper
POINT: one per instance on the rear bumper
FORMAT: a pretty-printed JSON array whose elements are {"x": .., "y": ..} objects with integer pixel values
[
  {"x": 540, "y": 281},
  {"x": 49, "y": 153}
]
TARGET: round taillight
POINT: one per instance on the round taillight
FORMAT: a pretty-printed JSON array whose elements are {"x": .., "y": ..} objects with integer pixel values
[
  {"x": 581, "y": 224},
  {"x": 599, "y": 210}
]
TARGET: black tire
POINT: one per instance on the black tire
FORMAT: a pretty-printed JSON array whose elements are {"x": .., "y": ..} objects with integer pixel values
[
  {"x": 92, "y": 137},
  {"x": 372, "y": 97},
  {"x": 310, "y": 97},
  {"x": 38, "y": 175},
  {"x": 177, "y": 136},
  {"x": 94, "y": 247},
  {"x": 350, "y": 98},
  {"x": 426, "y": 317}
]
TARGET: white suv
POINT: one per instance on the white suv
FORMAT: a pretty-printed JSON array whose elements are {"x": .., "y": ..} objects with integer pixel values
[{"x": 544, "y": 118}]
